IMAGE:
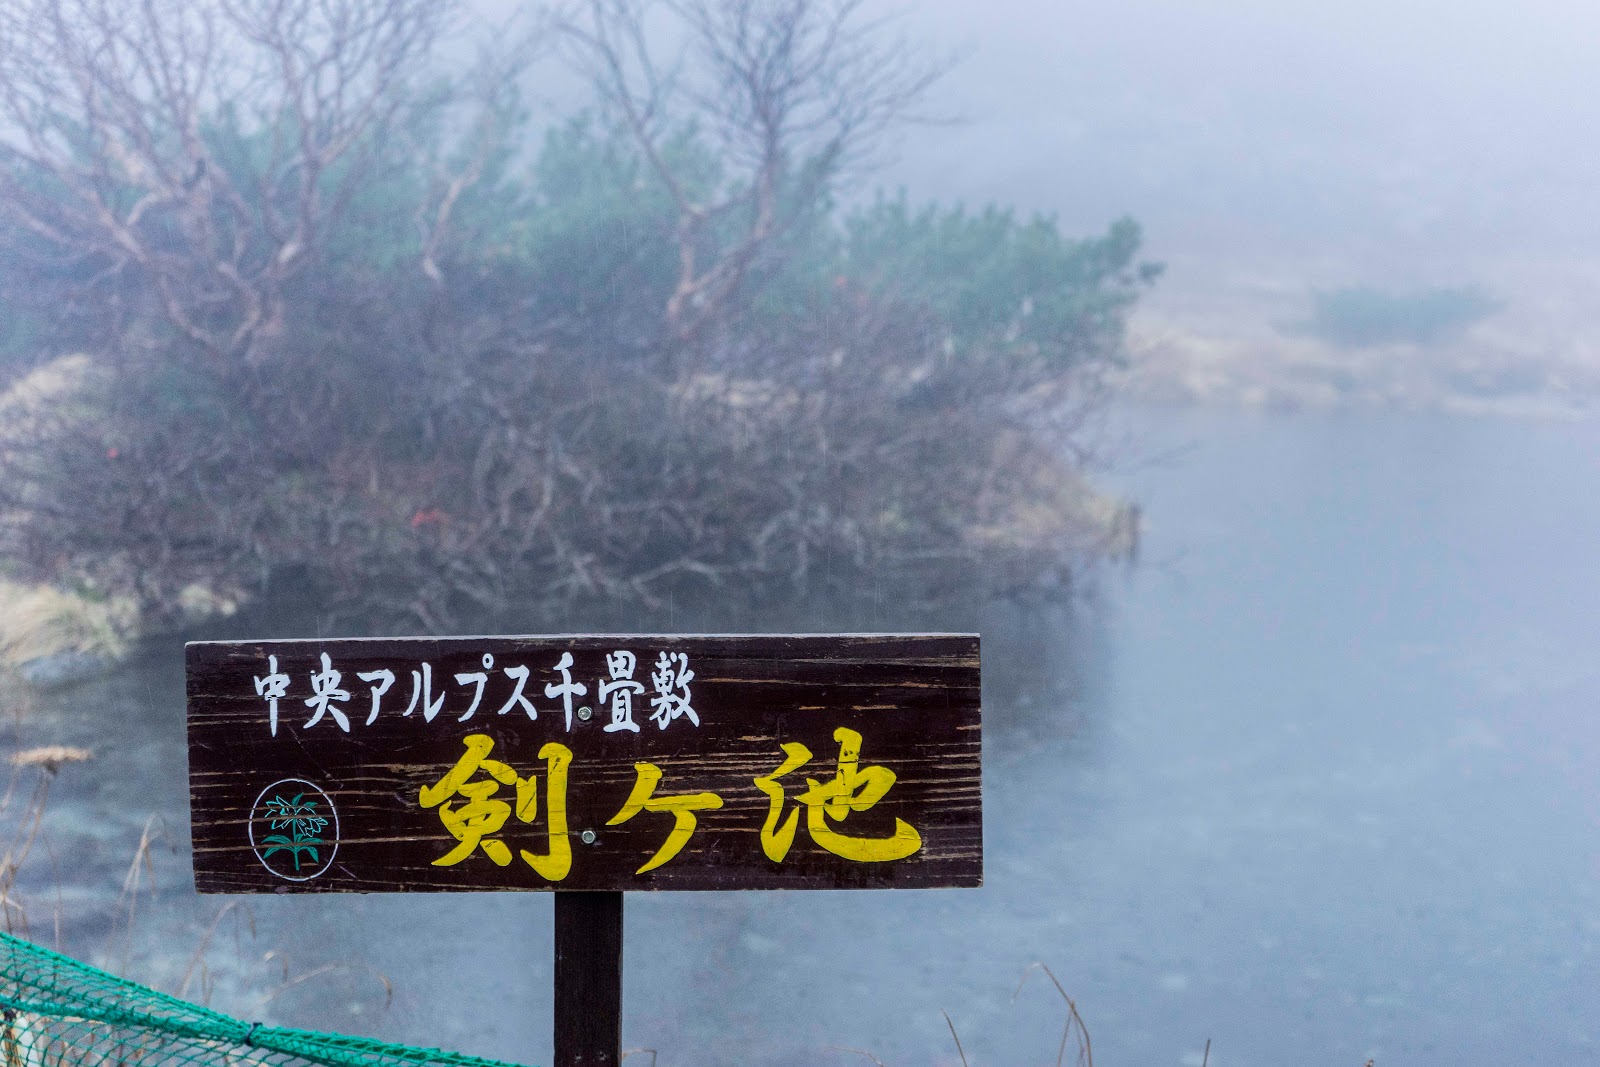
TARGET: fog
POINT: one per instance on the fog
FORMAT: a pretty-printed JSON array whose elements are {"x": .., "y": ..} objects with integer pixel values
[
  {"x": 1282, "y": 556},
  {"x": 1270, "y": 149},
  {"x": 1369, "y": 130}
]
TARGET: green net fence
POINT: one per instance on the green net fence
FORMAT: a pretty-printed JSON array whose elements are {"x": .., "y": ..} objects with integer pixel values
[{"x": 57, "y": 1012}]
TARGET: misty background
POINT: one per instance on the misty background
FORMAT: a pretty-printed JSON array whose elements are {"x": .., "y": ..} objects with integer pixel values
[
  {"x": 1271, "y": 150},
  {"x": 1290, "y": 740}
]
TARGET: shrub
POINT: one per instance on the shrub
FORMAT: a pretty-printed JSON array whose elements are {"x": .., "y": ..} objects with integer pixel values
[
  {"x": 1358, "y": 316},
  {"x": 639, "y": 362}
]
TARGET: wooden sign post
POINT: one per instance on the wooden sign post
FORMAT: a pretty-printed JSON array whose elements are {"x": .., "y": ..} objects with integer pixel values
[{"x": 588, "y": 765}]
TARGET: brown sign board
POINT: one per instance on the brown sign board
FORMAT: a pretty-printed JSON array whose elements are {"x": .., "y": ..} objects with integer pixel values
[{"x": 629, "y": 762}]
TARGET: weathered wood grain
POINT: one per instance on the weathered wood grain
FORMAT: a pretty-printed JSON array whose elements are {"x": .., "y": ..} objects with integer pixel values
[{"x": 913, "y": 699}]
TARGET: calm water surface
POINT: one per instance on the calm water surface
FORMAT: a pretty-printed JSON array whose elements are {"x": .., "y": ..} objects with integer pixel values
[{"x": 1318, "y": 780}]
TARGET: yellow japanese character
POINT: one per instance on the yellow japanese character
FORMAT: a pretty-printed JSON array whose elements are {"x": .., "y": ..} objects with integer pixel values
[
  {"x": 683, "y": 807},
  {"x": 776, "y": 839},
  {"x": 853, "y": 788},
  {"x": 554, "y": 865},
  {"x": 473, "y": 823}
]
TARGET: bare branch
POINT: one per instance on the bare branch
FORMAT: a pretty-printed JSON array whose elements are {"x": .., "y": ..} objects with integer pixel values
[
  {"x": 490, "y": 95},
  {"x": 110, "y": 149},
  {"x": 791, "y": 94}
]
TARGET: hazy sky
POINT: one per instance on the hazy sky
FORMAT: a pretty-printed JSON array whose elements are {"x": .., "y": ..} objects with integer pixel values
[
  {"x": 1423, "y": 125},
  {"x": 1384, "y": 132}
]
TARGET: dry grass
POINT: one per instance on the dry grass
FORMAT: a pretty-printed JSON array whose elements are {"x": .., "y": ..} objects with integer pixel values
[
  {"x": 23, "y": 832},
  {"x": 22, "y": 828},
  {"x": 37, "y": 621},
  {"x": 955, "y": 1037},
  {"x": 50, "y": 757},
  {"x": 51, "y": 398},
  {"x": 1074, "y": 1020},
  {"x": 60, "y": 400},
  {"x": 1074, "y": 1025}
]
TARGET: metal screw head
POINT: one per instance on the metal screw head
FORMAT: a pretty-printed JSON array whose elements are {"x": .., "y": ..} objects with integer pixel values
[
  {"x": 584, "y": 714},
  {"x": 588, "y": 837}
]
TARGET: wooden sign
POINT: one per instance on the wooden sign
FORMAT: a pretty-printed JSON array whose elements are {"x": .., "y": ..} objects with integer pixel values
[{"x": 632, "y": 762}]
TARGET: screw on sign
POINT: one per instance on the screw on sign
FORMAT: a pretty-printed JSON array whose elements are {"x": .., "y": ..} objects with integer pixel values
[{"x": 590, "y": 766}]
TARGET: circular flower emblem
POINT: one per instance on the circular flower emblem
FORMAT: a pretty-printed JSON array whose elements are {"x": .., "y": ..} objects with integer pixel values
[{"x": 294, "y": 829}]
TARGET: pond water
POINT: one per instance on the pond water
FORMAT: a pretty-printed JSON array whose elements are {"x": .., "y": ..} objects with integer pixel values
[{"x": 1318, "y": 780}]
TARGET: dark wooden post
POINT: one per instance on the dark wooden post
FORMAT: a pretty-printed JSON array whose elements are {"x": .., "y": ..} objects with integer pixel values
[{"x": 588, "y": 979}]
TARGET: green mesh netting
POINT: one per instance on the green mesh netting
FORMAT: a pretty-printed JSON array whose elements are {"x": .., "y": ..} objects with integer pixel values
[{"x": 57, "y": 1012}]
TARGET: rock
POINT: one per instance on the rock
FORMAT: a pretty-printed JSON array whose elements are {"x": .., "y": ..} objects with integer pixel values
[{"x": 63, "y": 668}]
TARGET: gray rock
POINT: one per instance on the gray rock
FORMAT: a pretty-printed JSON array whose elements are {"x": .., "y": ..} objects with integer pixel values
[{"x": 63, "y": 668}]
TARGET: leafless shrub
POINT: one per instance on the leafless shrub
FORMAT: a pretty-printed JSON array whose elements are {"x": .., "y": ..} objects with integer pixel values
[
  {"x": 791, "y": 95},
  {"x": 106, "y": 160},
  {"x": 273, "y": 400}
]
